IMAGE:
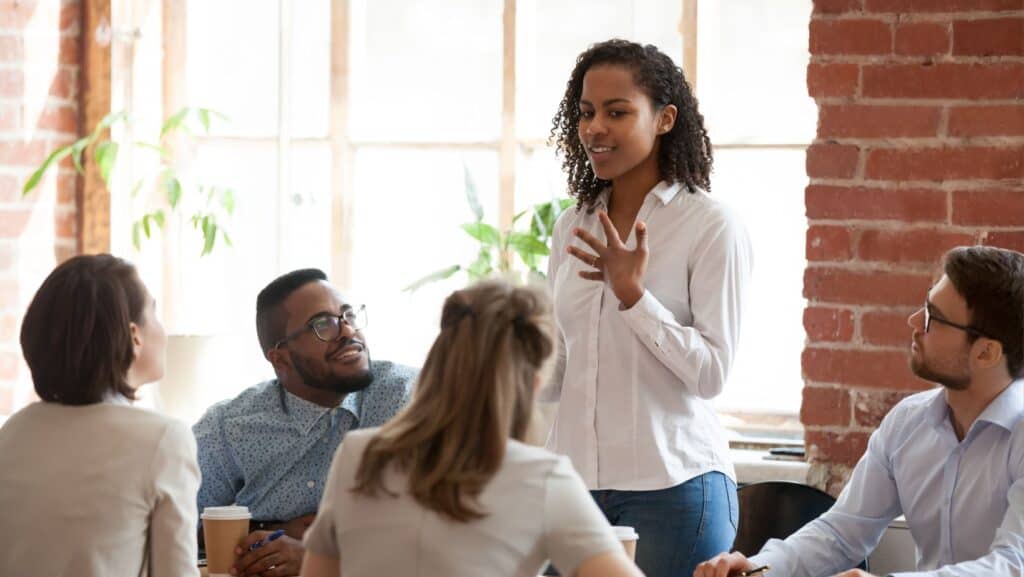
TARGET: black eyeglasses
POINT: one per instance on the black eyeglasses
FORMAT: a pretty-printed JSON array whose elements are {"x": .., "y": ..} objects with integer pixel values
[
  {"x": 929, "y": 318},
  {"x": 327, "y": 327}
]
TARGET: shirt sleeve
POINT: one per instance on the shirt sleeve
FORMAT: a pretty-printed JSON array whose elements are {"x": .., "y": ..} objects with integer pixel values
[
  {"x": 701, "y": 355},
  {"x": 172, "y": 541},
  {"x": 1006, "y": 556},
  {"x": 851, "y": 529},
  {"x": 575, "y": 530},
  {"x": 220, "y": 477},
  {"x": 322, "y": 536},
  {"x": 552, "y": 390}
]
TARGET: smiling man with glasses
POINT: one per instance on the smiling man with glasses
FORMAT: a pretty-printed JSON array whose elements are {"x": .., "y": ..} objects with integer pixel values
[
  {"x": 270, "y": 447},
  {"x": 951, "y": 460}
]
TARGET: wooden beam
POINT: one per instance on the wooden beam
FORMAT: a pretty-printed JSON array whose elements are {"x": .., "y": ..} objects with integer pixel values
[
  {"x": 342, "y": 158},
  {"x": 175, "y": 36},
  {"x": 688, "y": 28},
  {"x": 507, "y": 153},
  {"x": 95, "y": 84}
]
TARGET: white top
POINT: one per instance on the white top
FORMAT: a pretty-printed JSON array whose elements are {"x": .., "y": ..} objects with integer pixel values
[
  {"x": 537, "y": 509},
  {"x": 635, "y": 386},
  {"x": 97, "y": 491},
  {"x": 963, "y": 500}
]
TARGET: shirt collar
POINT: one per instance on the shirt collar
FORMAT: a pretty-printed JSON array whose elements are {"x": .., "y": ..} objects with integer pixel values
[
  {"x": 304, "y": 414},
  {"x": 1006, "y": 409},
  {"x": 664, "y": 191}
]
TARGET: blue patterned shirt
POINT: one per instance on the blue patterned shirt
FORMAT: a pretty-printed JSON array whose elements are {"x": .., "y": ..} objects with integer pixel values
[{"x": 269, "y": 450}]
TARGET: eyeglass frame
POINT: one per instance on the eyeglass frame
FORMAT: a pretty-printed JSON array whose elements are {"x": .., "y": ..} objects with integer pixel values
[
  {"x": 308, "y": 325},
  {"x": 929, "y": 318}
]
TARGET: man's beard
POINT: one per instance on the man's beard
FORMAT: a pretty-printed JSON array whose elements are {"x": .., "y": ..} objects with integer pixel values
[
  {"x": 954, "y": 382},
  {"x": 324, "y": 380}
]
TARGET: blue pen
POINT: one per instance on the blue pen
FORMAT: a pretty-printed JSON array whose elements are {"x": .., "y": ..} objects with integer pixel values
[{"x": 272, "y": 537}]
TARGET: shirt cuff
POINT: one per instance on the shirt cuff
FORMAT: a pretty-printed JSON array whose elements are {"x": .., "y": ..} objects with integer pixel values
[
  {"x": 646, "y": 317},
  {"x": 774, "y": 558}
]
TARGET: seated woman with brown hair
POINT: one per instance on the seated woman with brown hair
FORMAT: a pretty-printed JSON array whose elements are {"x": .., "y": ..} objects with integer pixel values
[
  {"x": 90, "y": 486},
  {"x": 448, "y": 488}
]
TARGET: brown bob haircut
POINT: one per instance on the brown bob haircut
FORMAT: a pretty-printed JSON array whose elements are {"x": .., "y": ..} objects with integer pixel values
[{"x": 76, "y": 335}]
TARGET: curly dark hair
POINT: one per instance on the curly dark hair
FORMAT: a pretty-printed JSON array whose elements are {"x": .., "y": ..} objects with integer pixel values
[{"x": 685, "y": 151}]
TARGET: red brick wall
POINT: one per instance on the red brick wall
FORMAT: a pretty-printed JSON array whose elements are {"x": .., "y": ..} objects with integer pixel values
[
  {"x": 39, "y": 69},
  {"x": 920, "y": 147}
]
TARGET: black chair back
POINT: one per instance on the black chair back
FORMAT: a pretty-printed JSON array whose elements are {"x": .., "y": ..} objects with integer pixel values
[{"x": 776, "y": 510}]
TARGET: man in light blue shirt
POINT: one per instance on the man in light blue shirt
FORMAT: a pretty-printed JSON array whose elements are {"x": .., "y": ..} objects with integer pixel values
[
  {"x": 950, "y": 459},
  {"x": 270, "y": 447}
]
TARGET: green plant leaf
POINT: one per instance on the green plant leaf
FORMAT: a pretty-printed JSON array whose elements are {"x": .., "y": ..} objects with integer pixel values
[
  {"x": 159, "y": 217},
  {"x": 172, "y": 186},
  {"x": 483, "y": 232},
  {"x": 76, "y": 151},
  {"x": 136, "y": 235},
  {"x": 137, "y": 187},
  {"x": 152, "y": 147},
  {"x": 471, "y": 197},
  {"x": 209, "y": 234},
  {"x": 55, "y": 156},
  {"x": 174, "y": 122},
  {"x": 204, "y": 119},
  {"x": 106, "y": 155},
  {"x": 518, "y": 216},
  {"x": 145, "y": 225},
  {"x": 227, "y": 237},
  {"x": 227, "y": 200},
  {"x": 481, "y": 267},
  {"x": 435, "y": 276},
  {"x": 527, "y": 244},
  {"x": 109, "y": 121}
]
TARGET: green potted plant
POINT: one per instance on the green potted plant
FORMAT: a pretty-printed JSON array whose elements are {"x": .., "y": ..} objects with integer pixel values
[
  {"x": 208, "y": 210},
  {"x": 499, "y": 249}
]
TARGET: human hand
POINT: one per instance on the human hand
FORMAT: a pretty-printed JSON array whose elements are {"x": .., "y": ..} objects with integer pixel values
[
  {"x": 724, "y": 565},
  {"x": 281, "y": 557},
  {"x": 622, "y": 268}
]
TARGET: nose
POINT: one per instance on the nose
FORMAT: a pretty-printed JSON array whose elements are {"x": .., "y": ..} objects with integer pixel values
[
  {"x": 594, "y": 126},
  {"x": 916, "y": 320}
]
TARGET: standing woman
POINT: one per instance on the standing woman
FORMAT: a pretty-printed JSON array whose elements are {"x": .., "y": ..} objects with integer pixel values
[
  {"x": 648, "y": 275},
  {"x": 90, "y": 486}
]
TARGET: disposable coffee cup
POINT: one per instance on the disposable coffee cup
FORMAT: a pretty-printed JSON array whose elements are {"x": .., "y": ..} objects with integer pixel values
[
  {"x": 628, "y": 537},
  {"x": 223, "y": 529}
]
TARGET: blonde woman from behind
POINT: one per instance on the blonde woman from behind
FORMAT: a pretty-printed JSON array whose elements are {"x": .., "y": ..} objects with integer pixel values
[{"x": 448, "y": 488}]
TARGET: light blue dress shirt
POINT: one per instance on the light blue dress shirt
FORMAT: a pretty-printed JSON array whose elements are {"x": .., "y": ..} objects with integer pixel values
[
  {"x": 963, "y": 500},
  {"x": 269, "y": 450}
]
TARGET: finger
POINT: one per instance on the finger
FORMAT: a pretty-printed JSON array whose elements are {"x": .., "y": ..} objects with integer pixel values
[
  {"x": 259, "y": 567},
  {"x": 592, "y": 275},
  {"x": 609, "y": 230},
  {"x": 250, "y": 540},
  {"x": 598, "y": 246},
  {"x": 587, "y": 258},
  {"x": 641, "y": 236},
  {"x": 251, "y": 558},
  {"x": 283, "y": 570}
]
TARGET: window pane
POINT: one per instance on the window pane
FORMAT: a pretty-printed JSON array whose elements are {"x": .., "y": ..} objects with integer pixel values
[
  {"x": 428, "y": 70},
  {"x": 751, "y": 71},
  {"x": 766, "y": 187},
  {"x": 310, "y": 71},
  {"x": 306, "y": 207},
  {"x": 232, "y": 63},
  {"x": 409, "y": 205},
  {"x": 218, "y": 291},
  {"x": 539, "y": 177},
  {"x": 550, "y": 34}
]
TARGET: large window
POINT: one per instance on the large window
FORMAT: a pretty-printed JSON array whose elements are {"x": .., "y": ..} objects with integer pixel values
[{"x": 354, "y": 123}]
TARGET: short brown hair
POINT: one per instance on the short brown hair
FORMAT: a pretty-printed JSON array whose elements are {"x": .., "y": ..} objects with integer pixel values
[
  {"x": 991, "y": 280},
  {"x": 474, "y": 393},
  {"x": 76, "y": 335}
]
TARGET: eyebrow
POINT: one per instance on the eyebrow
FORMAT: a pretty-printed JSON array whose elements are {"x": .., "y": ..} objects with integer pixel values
[
  {"x": 608, "y": 102},
  {"x": 316, "y": 315}
]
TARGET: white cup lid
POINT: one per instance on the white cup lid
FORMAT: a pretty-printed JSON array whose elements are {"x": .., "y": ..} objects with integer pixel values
[
  {"x": 625, "y": 533},
  {"x": 231, "y": 512}
]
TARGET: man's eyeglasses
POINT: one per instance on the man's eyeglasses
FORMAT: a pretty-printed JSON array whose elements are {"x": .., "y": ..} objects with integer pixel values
[
  {"x": 327, "y": 327},
  {"x": 930, "y": 318}
]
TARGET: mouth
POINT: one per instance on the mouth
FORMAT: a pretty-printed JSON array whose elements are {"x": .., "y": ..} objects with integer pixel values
[
  {"x": 599, "y": 150},
  {"x": 349, "y": 352}
]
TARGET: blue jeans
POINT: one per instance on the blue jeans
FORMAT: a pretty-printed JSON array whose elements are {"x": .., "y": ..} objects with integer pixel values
[{"x": 680, "y": 526}]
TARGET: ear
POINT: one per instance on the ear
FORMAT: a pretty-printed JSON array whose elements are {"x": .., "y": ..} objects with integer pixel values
[
  {"x": 278, "y": 359},
  {"x": 667, "y": 118},
  {"x": 988, "y": 353},
  {"x": 136, "y": 339}
]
